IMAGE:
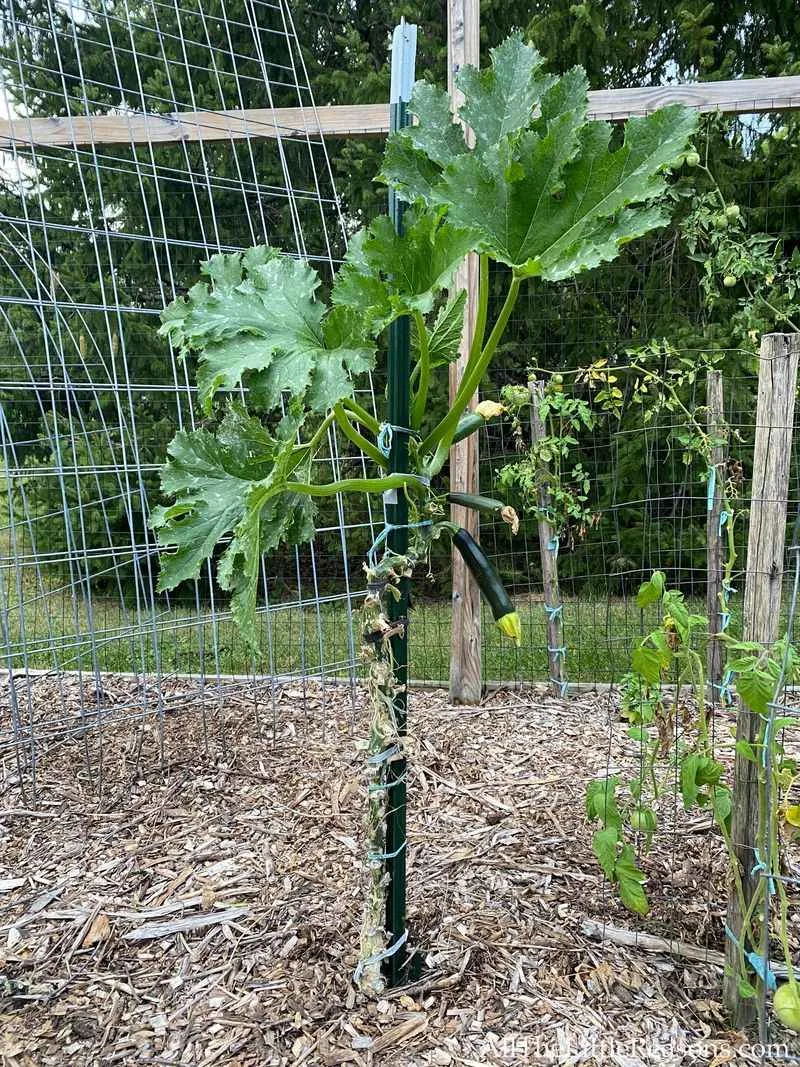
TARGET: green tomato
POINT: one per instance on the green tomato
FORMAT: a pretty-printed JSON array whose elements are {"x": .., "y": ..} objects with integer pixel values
[
  {"x": 557, "y": 379},
  {"x": 787, "y": 1005},
  {"x": 732, "y": 211},
  {"x": 643, "y": 820},
  {"x": 692, "y": 159},
  {"x": 781, "y": 133},
  {"x": 729, "y": 281}
]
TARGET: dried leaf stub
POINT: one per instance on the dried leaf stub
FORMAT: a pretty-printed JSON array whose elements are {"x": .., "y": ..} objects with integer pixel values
[
  {"x": 509, "y": 515},
  {"x": 100, "y": 930}
]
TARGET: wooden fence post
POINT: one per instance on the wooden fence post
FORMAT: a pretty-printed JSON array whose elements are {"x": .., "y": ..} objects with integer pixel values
[
  {"x": 716, "y": 427},
  {"x": 548, "y": 549},
  {"x": 777, "y": 385},
  {"x": 463, "y": 46}
]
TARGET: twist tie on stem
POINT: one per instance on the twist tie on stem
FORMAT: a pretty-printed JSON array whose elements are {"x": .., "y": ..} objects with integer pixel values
[
  {"x": 381, "y": 787},
  {"x": 557, "y": 650},
  {"x": 711, "y": 489},
  {"x": 387, "y": 529},
  {"x": 387, "y": 754},
  {"x": 563, "y": 686},
  {"x": 553, "y": 613},
  {"x": 724, "y": 619},
  {"x": 377, "y": 857},
  {"x": 760, "y": 868},
  {"x": 758, "y": 963},
  {"x": 386, "y": 432},
  {"x": 723, "y": 518},
  {"x": 732, "y": 936},
  {"x": 552, "y": 544},
  {"x": 727, "y": 588},
  {"x": 379, "y": 957},
  {"x": 725, "y": 690},
  {"x": 762, "y": 969}
]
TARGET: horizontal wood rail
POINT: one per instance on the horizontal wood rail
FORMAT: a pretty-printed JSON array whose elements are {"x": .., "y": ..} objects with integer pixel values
[{"x": 738, "y": 97}]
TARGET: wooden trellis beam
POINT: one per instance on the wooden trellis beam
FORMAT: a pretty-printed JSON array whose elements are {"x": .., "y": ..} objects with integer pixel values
[{"x": 737, "y": 97}]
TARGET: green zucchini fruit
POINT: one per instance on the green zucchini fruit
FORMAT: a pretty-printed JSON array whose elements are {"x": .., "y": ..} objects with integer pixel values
[
  {"x": 500, "y": 603},
  {"x": 477, "y": 502},
  {"x": 488, "y": 505},
  {"x": 467, "y": 425}
]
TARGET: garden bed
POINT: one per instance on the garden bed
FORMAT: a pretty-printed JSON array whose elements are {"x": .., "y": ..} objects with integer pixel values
[{"x": 189, "y": 902}]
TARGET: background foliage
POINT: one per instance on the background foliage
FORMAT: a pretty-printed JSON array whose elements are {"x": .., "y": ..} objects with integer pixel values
[{"x": 652, "y": 291}]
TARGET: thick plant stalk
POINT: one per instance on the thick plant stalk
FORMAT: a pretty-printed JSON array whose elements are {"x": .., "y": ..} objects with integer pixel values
[{"x": 384, "y": 745}]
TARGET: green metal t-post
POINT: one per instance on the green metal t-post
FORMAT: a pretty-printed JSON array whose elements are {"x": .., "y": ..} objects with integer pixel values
[{"x": 404, "y": 46}]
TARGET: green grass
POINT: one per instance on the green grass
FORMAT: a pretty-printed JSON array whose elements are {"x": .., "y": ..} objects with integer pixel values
[{"x": 56, "y": 630}]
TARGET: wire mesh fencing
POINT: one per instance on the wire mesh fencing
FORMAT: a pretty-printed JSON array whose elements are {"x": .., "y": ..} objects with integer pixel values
[{"x": 97, "y": 237}]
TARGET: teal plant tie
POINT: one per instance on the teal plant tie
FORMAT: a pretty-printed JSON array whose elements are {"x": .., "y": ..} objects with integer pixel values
[
  {"x": 732, "y": 936},
  {"x": 727, "y": 588},
  {"x": 762, "y": 969},
  {"x": 387, "y": 754},
  {"x": 381, "y": 787},
  {"x": 724, "y": 620},
  {"x": 553, "y": 613},
  {"x": 384, "y": 441},
  {"x": 379, "y": 957},
  {"x": 553, "y": 544},
  {"x": 760, "y": 867},
  {"x": 378, "y": 857},
  {"x": 758, "y": 963},
  {"x": 723, "y": 518},
  {"x": 563, "y": 686},
  {"x": 387, "y": 529},
  {"x": 711, "y": 490},
  {"x": 558, "y": 650},
  {"x": 386, "y": 432},
  {"x": 725, "y": 690}
]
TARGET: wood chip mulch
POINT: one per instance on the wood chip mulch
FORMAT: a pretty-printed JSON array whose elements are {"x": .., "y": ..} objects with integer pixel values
[{"x": 192, "y": 895}]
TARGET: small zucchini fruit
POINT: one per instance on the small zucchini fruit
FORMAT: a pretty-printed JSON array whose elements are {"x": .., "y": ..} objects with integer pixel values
[{"x": 488, "y": 505}]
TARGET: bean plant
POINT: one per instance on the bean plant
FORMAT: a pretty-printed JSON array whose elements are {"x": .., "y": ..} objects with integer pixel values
[{"x": 539, "y": 190}]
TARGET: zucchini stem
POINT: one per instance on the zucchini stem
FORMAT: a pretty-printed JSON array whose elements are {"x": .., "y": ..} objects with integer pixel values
[
  {"x": 424, "y": 365},
  {"x": 441, "y": 437},
  {"x": 352, "y": 434}
]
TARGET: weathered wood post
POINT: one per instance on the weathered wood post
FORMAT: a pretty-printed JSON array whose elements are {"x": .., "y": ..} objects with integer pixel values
[
  {"x": 716, "y": 428},
  {"x": 548, "y": 549},
  {"x": 777, "y": 385},
  {"x": 463, "y": 47}
]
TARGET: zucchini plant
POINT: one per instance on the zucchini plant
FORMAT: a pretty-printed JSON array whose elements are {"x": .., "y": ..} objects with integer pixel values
[{"x": 538, "y": 189}]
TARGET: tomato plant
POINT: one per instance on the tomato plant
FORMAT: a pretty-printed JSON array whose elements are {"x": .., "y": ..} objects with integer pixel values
[
  {"x": 549, "y": 470},
  {"x": 627, "y": 812}
]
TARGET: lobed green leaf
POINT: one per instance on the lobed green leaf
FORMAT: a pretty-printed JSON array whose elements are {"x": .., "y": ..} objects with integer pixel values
[
  {"x": 231, "y": 483},
  {"x": 257, "y": 322}
]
